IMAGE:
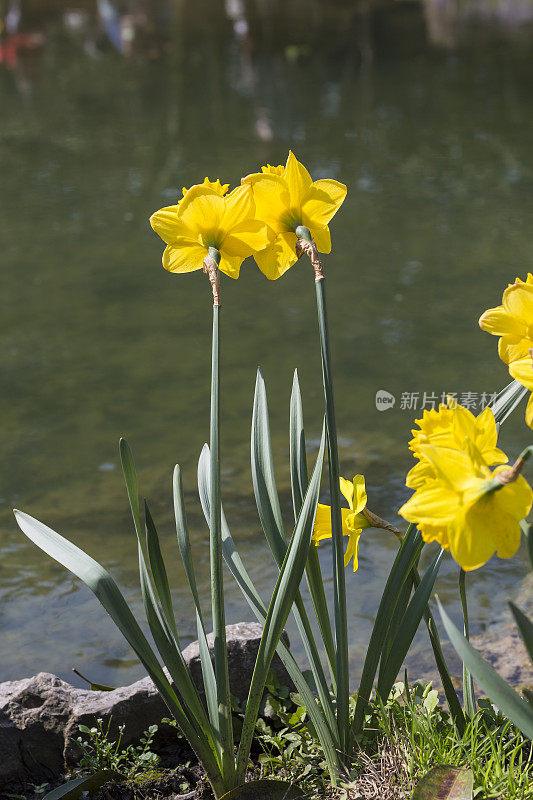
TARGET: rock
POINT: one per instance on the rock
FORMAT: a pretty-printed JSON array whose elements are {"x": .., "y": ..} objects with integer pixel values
[
  {"x": 242, "y": 644},
  {"x": 33, "y": 716},
  {"x": 39, "y": 716}
]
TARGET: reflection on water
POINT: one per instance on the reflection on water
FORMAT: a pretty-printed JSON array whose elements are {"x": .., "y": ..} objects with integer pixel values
[{"x": 106, "y": 114}]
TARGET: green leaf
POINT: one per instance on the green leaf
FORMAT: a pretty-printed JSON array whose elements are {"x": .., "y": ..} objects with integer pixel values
[
  {"x": 299, "y": 481},
  {"x": 409, "y": 626},
  {"x": 469, "y": 697},
  {"x": 445, "y": 783},
  {"x": 406, "y": 557},
  {"x": 245, "y": 583},
  {"x": 267, "y": 501},
  {"x": 72, "y": 790},
  {"x": 498, "y": 690},
  {"x": 264, "y": 482},
  {"x": 159, "y": 572},
  {"x": 280, "y": 604},
  {"x": 184, "y": 545},
  {"x": 95, "y": 687},
  {"x": 264, "y": 789},
  {"x": 130, "y": 478},
  {"x": 525, "y": 626},
  {"x": 106, "y": 590},
  {"x": 507, "y": 400},
  {"x": 298, "y": 458}
]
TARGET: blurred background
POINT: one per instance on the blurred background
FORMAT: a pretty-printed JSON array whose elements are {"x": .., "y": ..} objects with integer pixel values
[{"x": 424, "y": 109}]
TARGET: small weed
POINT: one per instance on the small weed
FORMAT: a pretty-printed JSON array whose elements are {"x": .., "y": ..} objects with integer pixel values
[{"x": 100, "y": 752}]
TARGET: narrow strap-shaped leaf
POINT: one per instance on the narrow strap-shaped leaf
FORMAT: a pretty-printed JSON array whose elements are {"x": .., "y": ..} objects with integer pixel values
[
  {"x": 184, "y": 545},
  {"x": 159, "y": 572},
  {"x": 507, "y": 400},
  {"x": 395, "y": 623},
  {"x": 173, "y": 658},
  {"x": 107, "y": 592},
  {"x": 73, "y": 789},
  {"x": 525, "y": 626},
  {"x": 250, "y": 593},
  {"x": 298, "y": 459},
  {"x": 527, "y": 530},
  {"x": 280, "y": 604},
  {"x": 508, "y": 701},
  {"x": 447, "y": 684},
  {"x": 267, "y": 501},
  {"x": 406, "y": 556},
  {"x": 299, "y": 481},
  {"x": 469, "y": 698},
  {"x": 167, "y": 645},
  {"x": 130, "y": 478},
  {"x": 408, "y": 626},
  {"x": 264, "y": 482}
]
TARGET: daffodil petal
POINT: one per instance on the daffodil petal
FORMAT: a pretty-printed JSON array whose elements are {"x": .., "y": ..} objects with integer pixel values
[
  {"x": 434, "y": 503},
  {"x": 278, "y": 257},
  {"x": 230, "y": 265},
  {"x": 321, "y": 236},
  {"x": 238, "y": 205},
  {"x": 322, "y": 526},
  {"x": 518, "y": 302},
  {"x": 169, "y": 226},
  {"x": 202, "y": 209},
  {"x": 346, "y": 488},
  {"x": 298, "y": 180},
  {"x": 250, "y": 236},
  {"x": 185, "y": 258},
  {"x": 271, "y": 197},
  {"x": 480, "y": 530},
  {"x": 522, "y": 371},
  {"x": 322, "y": 201},
  {"x": 529, "y": 412},
  {"x": 513, "y": 348},
  {"x": 500, "y": 322},
  {"x": 359, "y": 494},
  {"x": 352, "y": 550}
]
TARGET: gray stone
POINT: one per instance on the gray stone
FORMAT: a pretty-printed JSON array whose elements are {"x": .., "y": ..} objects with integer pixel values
[
  {"x": 242, "y": 642},
  {"x": 39, "y": 716}
]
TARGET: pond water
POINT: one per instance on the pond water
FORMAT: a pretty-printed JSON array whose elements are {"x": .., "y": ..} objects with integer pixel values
[{"x": 97, "y": 341}]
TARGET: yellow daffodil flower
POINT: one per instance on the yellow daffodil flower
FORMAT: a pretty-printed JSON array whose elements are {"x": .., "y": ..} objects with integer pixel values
[
  {"x": 449, "y": 427},
  {"x": 286, "y": 197},
  {"x": 461, "y": 510},
  {"x": 512, "y": 321},
  {"x": 207, "y": 217},
  {"x": 353, "y": 520}
]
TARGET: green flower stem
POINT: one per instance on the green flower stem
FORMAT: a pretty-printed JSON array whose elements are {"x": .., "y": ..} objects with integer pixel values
[
  {"x": 469, "y": 699},
  {"x": 215, "y": 539},
  {"x": 306, "y": 244}
]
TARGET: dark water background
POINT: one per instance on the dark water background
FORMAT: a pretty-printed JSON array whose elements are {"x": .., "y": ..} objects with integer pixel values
[{"x": 426, "y": 116}]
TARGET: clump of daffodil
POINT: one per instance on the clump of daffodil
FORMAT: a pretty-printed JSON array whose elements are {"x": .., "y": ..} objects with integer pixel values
[
  {"x": 450, "y": 426},
  {"x": 208, "y": 219},
  {"x": 353, "y": 520},
  {"x": 471, "y": 510},
  {"x": 287, "y": 198},
  {"x": 513, "y": 323}
]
